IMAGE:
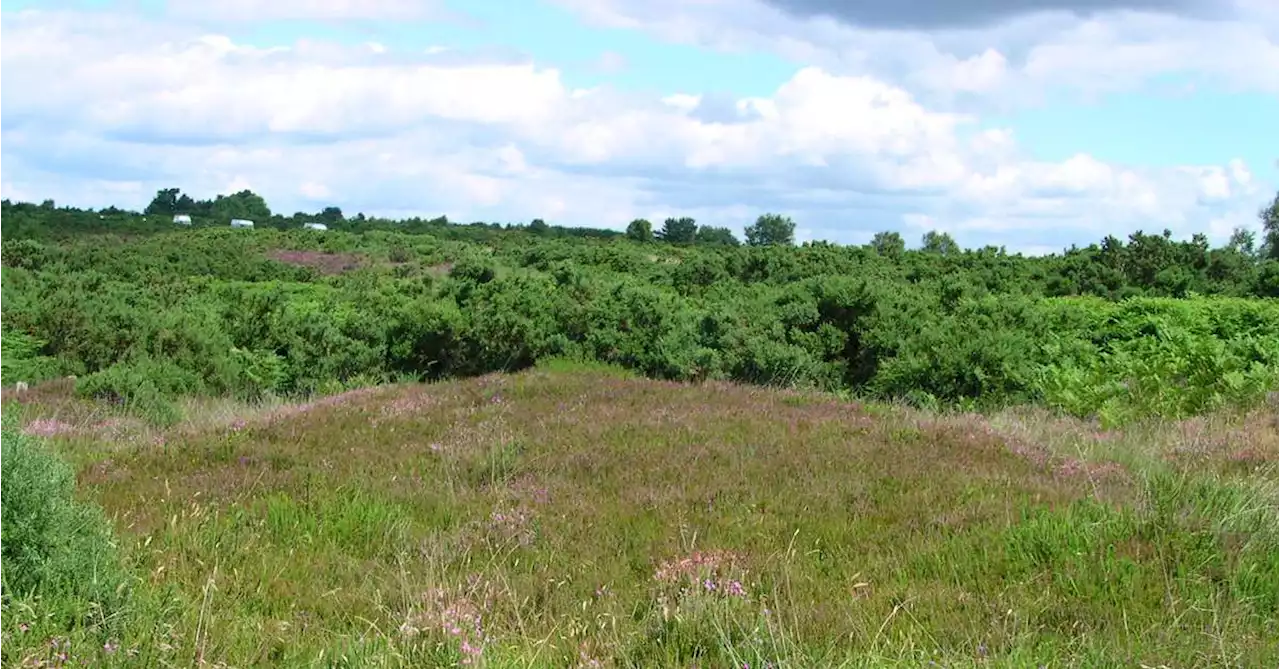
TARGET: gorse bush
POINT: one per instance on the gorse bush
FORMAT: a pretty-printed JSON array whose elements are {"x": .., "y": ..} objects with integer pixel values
[
  {"x": 55, "y": 548},
  {"x": 1154, "y": 327}
]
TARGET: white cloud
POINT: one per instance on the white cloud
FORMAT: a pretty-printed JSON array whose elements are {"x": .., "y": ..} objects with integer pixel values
[
  {"x": 981, "y": 73},
  {"x": 274, "y": 10},
  {"x": 683, "y": 101},
  {"x": 100, "y": 113},
  {"x": 1012, "y": 62},
  {"x": 315, "y": 191}
]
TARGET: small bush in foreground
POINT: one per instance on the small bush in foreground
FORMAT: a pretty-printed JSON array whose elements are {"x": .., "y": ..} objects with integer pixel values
[{"x": 54, "y": 549}]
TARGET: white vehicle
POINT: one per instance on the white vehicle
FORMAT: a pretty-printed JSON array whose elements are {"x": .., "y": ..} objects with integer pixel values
[
  {"x": 181, "y": 219},
  {"x": 241, "y": 223},
  {"x": 315, "y": 226}
]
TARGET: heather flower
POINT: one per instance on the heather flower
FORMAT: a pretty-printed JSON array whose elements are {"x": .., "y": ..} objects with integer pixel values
[
  {"x": 513, "y": 524},
  {"x": 47, "y": 427},
  {"x": 456, "y": 616}
]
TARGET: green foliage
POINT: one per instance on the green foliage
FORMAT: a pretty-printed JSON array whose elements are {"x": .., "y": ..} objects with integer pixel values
[
  {"x": 1159, "y": 357},
  {"x": 144, "y": 386},
  {"x": 260, "y": 373},
  {"x": 771, "y": 230},
  {"x": 940, "y": 243},
  {"x": 26, "y": 253},
  {"x": 473, "y": 269},
  {"x": 21, "y": 359},
  {"x": 888, "y": 244},
  {"x": 1270, "y": 217},
  {"x": 711, "y": 236},
  {"x": 640, "y": 230},
  {"x": 54, "y": 547},
  {"x": 683, "y": 230},
  {"x": 1119, "y": 330},
  {"x": 244, "y": 204}
]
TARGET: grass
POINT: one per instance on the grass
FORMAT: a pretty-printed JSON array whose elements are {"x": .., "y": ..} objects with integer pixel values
[{"x": 571, "y": 516}]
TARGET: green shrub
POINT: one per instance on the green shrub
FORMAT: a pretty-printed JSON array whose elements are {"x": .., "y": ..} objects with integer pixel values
[
  {"x": 52, "y": 546},
  {"x": 145, "y": 387},
  {"x": 473, "y": 269},
  {"x": 20, "y": 359}
]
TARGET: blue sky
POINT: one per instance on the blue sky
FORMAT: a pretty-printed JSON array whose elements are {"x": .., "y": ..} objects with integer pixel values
[
  {"x": 1178, "y": 122},
  {"x": 1034, "y": 131}
]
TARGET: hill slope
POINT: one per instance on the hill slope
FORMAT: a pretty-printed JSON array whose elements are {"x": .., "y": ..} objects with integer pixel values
[{"x": 566, "y": 516}]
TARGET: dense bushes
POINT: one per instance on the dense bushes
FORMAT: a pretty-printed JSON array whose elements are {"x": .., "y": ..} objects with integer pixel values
[{"x": 150, "y": 317}]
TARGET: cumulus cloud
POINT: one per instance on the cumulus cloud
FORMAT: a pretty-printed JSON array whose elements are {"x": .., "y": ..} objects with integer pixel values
[
  {"x": 97, "y": 113},
  {"x": 980, "y": 63}
]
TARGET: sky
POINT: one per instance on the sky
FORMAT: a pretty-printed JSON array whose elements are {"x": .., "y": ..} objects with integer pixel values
[{"x": 1029, "y": 124}]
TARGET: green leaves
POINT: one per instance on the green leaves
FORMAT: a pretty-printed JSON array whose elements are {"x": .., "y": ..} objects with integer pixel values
[
  {"x": 54, "y": 546},
  {"x": 1167, "y": 358},
  {"x": 21, "y": 359},
  {"x": 153, "y": 316},
  {"x": 771, "y": 230}
]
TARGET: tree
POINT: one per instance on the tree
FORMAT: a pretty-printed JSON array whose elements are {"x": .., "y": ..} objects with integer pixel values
[
  {"x": 538, "y": 226},
  {"x": 888, "y": 244},
  {"x": 640, "y": 230},
  {"x": 330, "y": 215},
  {"x": 940, "y": 243},
  {"x": 1270, "y": 243},
  {"x": 771, "y": 230},
  {"x": 712, "y": 236},
  {"x": 1242, "y": 241},
  {"x": 245, "y": 204},
  {"x": 683, "y": 230},
  {"x": 165, "y": 202}
]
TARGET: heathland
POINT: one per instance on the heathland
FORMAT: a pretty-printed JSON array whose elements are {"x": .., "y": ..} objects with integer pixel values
[{"x": 417, "y": 443}]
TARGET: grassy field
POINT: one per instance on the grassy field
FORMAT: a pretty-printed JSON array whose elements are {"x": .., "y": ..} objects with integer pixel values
[{"x": 570, "y": 516}]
